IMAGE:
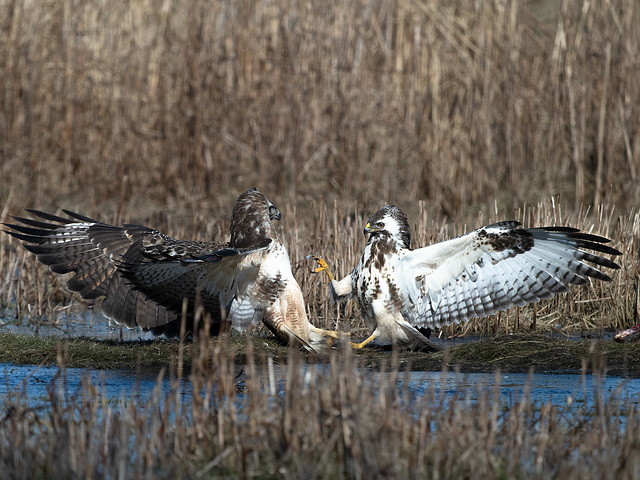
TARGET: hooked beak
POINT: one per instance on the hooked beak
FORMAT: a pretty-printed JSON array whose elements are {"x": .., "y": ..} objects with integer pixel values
[
  {"x": 274, "y": 214},
  {"x": 369, "y": 229}
]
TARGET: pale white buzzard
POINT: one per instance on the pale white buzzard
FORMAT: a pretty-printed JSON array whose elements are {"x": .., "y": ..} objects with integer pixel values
[
  {"x": 148, "y": 279},
  {"x": 493, "y": 268}
]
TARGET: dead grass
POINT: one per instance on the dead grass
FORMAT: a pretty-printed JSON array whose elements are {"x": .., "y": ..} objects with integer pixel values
[
  {"x": 163, "y": 112},
  {"x": 460, "y": 112},
  {"x": 329, "y": 422},
  {"x": 138, "y": 107},
  {"x": 31, "y": 295}
]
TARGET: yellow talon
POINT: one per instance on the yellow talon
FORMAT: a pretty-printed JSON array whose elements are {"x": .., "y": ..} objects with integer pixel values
[
  {"x": 322, "y": 265},
  {"x": 330, "y": 333},
  {"x": 358, "y": 346}
]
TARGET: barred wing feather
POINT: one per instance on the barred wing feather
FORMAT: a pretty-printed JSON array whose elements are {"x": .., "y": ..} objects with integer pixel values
[{"x": 494, "y": 268}]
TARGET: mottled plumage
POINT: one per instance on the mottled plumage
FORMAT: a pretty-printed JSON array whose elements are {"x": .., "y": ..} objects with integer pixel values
[
  {"x": 146, "y": 277},
  {"x": 493, "y": 268}
]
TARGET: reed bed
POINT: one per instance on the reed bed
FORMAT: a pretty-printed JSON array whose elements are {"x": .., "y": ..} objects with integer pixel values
[
  {"x": 327, "y": 422},
  {"x": 177, "y": 106},
  {"x": 161, "y": 113},
  {"x": 32, "y": 295}
]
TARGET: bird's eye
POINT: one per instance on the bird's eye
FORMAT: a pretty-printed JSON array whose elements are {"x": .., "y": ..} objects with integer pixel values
[
  {"x": 274, "y": 213},
  {"x": 380, "y": 224}
]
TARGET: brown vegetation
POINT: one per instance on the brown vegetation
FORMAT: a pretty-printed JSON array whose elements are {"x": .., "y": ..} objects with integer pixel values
[
  {"x": 184, "y": 104},
  {"x": 163, "y": 112},
  {"x": 30, "y": 293},
  {"x": 329, "y": 422},
  {"x": 462, "y": 113}
]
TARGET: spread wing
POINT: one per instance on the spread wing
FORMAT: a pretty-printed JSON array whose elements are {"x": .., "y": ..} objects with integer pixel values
[
  {"x": 149, "y": 279},
  {"x": 94, "y": 252},
  {"x": 494, "y": 268},
  {"x": 219, "y": 280}
]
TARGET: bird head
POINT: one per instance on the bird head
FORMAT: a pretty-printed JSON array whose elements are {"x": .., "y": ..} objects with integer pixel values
[
  {"x": 392, "y": 222},
  {"x": 251, "y": 219},
  {"x": 274, "y": 213}
]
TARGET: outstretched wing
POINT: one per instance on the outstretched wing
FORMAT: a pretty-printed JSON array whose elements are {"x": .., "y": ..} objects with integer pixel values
[
  {"x": 217, "y": 279},
  {"x": 494, "y": 268},
  {"x": 94, "y": 252}
]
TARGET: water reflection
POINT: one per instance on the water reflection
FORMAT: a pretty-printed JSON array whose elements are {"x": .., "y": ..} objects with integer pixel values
[
  {"x": 33, "y": 384},
  {"x": 554, "y": 389},
  {"x": 87, "y": 324}
]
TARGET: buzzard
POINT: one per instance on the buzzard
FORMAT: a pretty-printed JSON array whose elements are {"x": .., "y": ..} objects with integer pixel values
[
  {"x": 493, "y": 268},
  {"x": 149, "y": 279}
]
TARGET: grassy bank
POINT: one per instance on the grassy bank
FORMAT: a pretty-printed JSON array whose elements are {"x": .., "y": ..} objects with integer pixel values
[{"x": 514, "y": 353}]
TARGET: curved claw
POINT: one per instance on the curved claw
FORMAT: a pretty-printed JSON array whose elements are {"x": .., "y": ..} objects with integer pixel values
[{"x": 322, "y": 265}]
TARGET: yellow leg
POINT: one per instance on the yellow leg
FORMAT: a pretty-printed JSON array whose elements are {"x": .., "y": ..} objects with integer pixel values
[
  {"x": 329, "y": 333},
  {"x": 322, "y": 265},
  {"x": 358, "y": 346}
]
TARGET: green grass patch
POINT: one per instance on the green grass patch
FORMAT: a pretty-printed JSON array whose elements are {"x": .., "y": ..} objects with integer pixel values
[{"x": 508, "y": 353}]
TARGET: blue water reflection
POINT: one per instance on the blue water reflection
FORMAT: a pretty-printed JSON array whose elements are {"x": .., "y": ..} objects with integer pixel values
[{"x": 34, "y": 384}]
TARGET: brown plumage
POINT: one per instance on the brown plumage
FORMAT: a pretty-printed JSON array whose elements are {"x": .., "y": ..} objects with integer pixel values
[{"x": 146, "y": 277}]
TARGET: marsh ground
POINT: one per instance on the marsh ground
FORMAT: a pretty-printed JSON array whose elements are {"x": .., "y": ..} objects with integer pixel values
[{"x": 461, "y": 113}]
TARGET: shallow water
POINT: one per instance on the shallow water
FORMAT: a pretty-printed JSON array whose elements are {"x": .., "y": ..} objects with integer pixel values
[
  {"x": 33, "y": 383},
  {"x": 554, "y": 389},
  {"x": 87, "y": 324}
]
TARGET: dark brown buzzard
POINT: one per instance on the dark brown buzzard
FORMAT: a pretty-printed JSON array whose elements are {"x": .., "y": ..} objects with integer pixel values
[
  {"x": 148, "y": 278},
  {"x": 493, "y": 268}
]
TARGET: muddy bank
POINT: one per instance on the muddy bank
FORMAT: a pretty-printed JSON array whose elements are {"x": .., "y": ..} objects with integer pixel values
[{"x": 512, "y": 353}]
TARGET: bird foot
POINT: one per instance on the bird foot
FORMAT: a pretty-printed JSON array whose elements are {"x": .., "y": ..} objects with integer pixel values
[
  {"x": 322, "y": 265},
  {"x": 331, "y": 333},
  {"x": 359, "y": 346}
]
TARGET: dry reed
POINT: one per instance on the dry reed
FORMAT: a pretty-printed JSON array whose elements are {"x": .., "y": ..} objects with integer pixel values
[
  {"x": 31, "y": 294},
  {"x": 163, "y": 112},
  {"x": 329, "y": 421},
  {"x": 179, "y": 105}
]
